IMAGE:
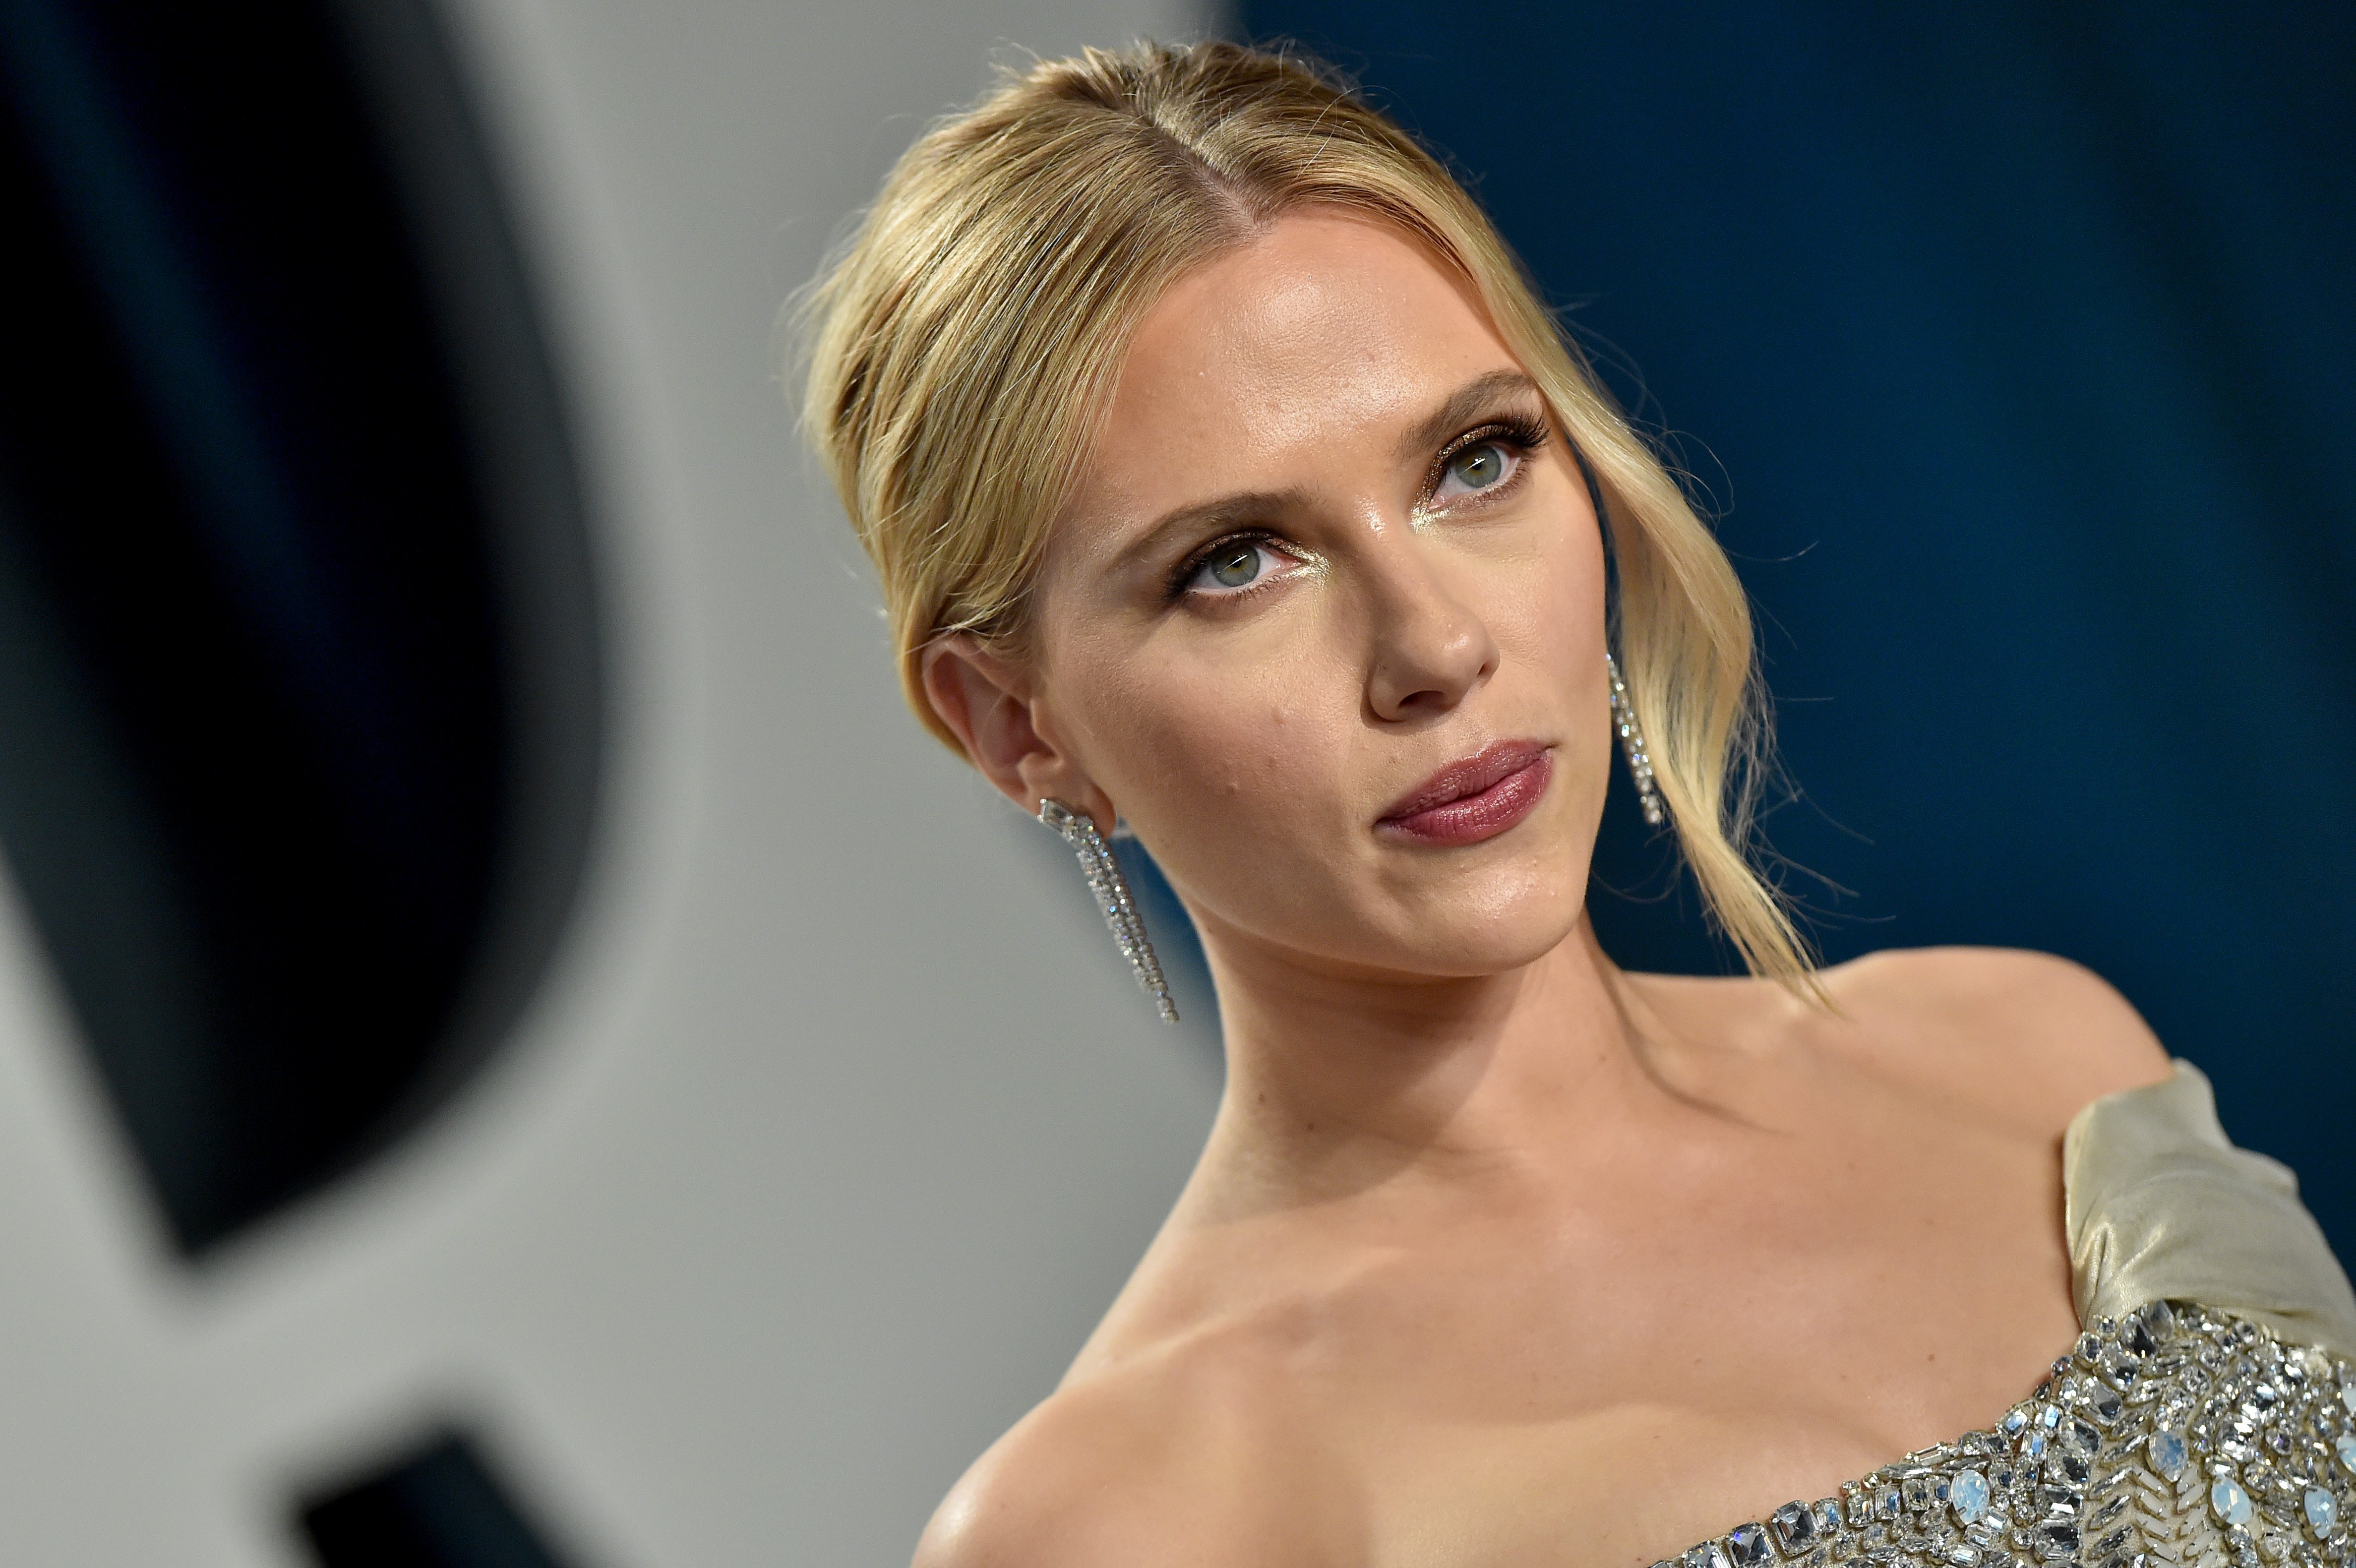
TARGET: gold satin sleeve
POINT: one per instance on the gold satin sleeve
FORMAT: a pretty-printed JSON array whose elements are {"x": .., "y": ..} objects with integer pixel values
[{"x": 2159, "y": 1204}]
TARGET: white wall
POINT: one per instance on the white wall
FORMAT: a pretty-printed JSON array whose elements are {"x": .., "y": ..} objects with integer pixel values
[{"x": 840, "y": 1121}]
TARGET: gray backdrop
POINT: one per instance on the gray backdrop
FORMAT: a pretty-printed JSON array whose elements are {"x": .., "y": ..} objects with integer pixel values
[{"x": 838, "y": 1119}]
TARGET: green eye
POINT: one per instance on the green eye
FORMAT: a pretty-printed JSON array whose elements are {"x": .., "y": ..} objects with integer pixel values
[
  {"x": 1235, "y": 564},
  {"x": 1478, "y": 466}
]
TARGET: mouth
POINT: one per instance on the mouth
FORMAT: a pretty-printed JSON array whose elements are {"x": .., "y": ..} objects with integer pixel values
[{"x": 1475, "y": 799}]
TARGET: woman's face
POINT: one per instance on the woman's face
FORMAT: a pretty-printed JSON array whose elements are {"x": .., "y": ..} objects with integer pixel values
[{"x": 1326, "y": 619}]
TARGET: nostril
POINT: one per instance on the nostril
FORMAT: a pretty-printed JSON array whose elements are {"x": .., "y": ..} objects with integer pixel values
[{"x": 1430, "y": 646}]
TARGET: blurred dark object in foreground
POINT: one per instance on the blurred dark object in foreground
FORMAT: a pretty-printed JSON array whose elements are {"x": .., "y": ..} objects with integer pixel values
[
  {"x": 299, "y": 671},
  {"x": 2018, "y": 345},
  {"x": 437, "y": 1507}
]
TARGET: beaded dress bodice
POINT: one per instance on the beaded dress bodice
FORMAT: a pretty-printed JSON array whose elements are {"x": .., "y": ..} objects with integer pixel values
[
  {"x": 2180, "y": 1437},
  {"x": 2205, "y": 1419}
]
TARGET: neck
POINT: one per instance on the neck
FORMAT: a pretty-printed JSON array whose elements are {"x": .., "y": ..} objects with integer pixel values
[{"x": 1335, "y": 1086}]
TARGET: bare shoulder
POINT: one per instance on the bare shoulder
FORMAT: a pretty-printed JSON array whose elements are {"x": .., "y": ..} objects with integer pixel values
[
  {"x": 1175, "y": 1458},
  {"x": 2028, "y": 1035}
]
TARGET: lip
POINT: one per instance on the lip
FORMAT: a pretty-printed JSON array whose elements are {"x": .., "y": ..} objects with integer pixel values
[{"x": 1475, "y": 799}]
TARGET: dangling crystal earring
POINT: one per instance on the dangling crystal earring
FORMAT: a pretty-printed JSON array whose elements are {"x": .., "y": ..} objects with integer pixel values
[
  {"x": 1111, "y": 891},
  {"x": 1632, "y": 743}
]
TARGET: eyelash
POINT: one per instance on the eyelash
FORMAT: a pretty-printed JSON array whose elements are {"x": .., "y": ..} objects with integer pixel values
[
  {"x": 1182, "y": 577},
  {"x": 1522, "y": 432}
]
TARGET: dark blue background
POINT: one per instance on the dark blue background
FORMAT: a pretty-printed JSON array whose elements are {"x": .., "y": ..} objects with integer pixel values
[{"x": 2013, "y": 344}]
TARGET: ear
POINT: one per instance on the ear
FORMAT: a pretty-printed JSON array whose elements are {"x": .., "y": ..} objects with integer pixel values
[{"x": 993, "y": 707}]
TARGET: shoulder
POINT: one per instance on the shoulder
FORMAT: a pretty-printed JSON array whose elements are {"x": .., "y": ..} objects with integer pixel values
[
  {"x": 2030, "y": 1036},
  {"x": 1177, "y": 1459}
]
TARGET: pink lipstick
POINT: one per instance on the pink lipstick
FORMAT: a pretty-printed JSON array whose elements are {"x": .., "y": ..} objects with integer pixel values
[{"x": 1475, "y": 799}]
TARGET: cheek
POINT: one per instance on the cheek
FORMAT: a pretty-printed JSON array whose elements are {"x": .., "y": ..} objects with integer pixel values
[
  {"x": 1235, "y": 750},
  {"x": 1230, "y": 770},
  {"x": 1541, "y": 599},
  {"x": 1553, "y": 616}
]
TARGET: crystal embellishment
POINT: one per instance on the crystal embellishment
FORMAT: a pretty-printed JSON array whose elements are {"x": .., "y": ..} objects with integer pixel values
[
  {"x": 1110, "y": 890},
  {"x": 1967, "y": 1494},
  {"x": 2179, "y": 1437},
  {"x": 2057, "y": 1539},
  {"x": 1794, "y": 1525},
  {"x": 1748, "y": 1546},
  {"x": 1632, "y": 745}
]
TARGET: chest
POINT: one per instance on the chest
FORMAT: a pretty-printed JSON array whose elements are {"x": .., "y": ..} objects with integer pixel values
[
  {"x": 2188, "y": 1439},
  {"x": 1725, "y": 1339},
  {"x": 1873, "y": 1290}
]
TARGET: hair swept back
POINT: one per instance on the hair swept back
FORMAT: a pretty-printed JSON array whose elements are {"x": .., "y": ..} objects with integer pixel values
[{"x": 964, "y": 343}]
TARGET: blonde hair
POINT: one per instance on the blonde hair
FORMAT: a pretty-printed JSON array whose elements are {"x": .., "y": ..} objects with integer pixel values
[{"x": 965, "y": 343}]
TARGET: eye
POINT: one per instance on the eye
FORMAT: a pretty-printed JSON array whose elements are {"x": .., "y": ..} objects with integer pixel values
[
  {"x": 1469, "y": 470},
  {"x": 1235, "y": 564}
]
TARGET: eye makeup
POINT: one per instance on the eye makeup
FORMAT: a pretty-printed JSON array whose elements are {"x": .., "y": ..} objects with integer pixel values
[
  {"x": 1183, "y": 575},
  {"x": 1521, "y": 432}
]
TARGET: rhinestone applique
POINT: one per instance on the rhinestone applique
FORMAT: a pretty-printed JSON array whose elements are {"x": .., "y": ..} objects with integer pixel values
[
  {"x": 1967, "y": 1494},
  {"x": 2182, "y": 1437},
  {"x": 1794, "y": 1525}
]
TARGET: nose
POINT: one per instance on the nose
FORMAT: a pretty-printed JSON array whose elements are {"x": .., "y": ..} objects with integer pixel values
[{"x": 1431, "y": 649}]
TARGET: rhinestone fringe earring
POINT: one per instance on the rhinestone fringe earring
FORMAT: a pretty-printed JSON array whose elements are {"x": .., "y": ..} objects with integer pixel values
[
  {"x": 1632, "y": 743},
  {"x": 1111, "y": 892}
]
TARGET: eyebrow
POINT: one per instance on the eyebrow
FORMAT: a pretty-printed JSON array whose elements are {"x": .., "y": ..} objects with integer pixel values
[{"x": 1468, "y": 401}]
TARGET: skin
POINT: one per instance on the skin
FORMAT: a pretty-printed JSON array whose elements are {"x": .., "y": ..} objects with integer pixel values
[{"x": 1496, "y": 1254}]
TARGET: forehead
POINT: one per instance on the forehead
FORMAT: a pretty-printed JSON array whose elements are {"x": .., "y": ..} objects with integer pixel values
[{"x": 1320, "y": 329}]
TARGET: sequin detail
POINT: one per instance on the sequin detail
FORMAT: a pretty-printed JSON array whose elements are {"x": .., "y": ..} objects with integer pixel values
[{"x": 2182, "y": 1437}]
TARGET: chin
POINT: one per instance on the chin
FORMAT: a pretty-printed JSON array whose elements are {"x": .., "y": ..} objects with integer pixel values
[
  {"x": 1462, "y": 937},
  {"x": 1494, "y": 949},
  {"x": 1480, "y": 919}
]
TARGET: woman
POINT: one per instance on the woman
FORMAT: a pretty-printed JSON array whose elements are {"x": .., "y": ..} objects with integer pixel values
[{"x": 1224, "y": 476}]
